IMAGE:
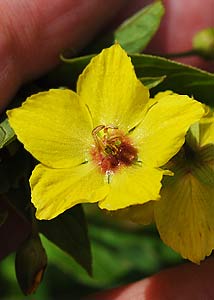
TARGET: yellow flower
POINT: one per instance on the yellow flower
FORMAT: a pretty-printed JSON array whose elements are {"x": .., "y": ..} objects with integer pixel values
[
  {"x": 185, "y": 213},
  {"x": 106, "y": 142}
]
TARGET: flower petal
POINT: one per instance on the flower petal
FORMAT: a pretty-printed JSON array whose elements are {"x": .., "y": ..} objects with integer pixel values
[
  {"x": 184, "y": 217},
  {"x": 131, "y": 186},
  {"x": 111, "y": 90},
  {"x": 207, "y": 130},
  {"x": 162, "y": 131},
  {"x": 55, "y": 190},
  {"x": 54, "y": 127},
  {"x": 204, "y": 173},
  {"x": 141, "y": 214}
]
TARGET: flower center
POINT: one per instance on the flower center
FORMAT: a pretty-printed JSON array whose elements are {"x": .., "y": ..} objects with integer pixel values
[{"x": 112, "y": 149}]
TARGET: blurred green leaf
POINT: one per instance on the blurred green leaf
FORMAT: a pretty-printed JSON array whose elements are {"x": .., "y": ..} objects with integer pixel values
[
  {"x": 69, "y": 232},
  {"x": 120, "y": 255},
  {"x": 6, "y": 133},
  {"x": 152, "y": 82},
  {"x": 118, "y": 252},
  {"x": 136, "y": 32}
]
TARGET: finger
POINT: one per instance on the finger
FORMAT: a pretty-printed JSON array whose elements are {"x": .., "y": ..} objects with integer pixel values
[{"x": 33, "y": 33}]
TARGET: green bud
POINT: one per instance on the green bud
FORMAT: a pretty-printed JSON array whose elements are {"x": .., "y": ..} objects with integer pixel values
[
  {"x": 30, "y": 264},
  {"x": 203, "y": 43}
]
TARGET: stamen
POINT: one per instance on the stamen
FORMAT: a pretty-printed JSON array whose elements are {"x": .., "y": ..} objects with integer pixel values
[
  {"x": 112, "y": 149},
  {"x": 98, "y": 140}
]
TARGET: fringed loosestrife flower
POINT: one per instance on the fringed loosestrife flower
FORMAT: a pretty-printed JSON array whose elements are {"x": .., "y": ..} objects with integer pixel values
[
  {"x": 106, "y": 142},
  {"x": 185, "y": 213}
]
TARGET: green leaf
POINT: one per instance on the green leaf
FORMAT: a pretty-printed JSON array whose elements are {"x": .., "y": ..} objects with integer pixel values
[
  {"x": 180, "y": 78},
  {"x": 69, "y": 232},
  {"x": 136, "y": 32},
  {"x": 6, "y": 133},
  {"x": 151, "y": 82}
]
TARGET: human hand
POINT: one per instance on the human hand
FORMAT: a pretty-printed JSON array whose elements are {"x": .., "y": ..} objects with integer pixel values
[{"x": 34, "y": 33}]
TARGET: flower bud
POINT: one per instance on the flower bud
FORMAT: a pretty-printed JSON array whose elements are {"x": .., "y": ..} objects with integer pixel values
[
  {"x": 203, "y": 43},
  {"x": 30, "y": 264}
]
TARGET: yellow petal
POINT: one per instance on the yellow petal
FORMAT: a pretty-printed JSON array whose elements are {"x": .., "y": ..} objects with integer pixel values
[
  {"x": 131, "y": 186},
  {"x": 54, "y": 127},
  {"x": 56, "y": 190},
  {"x": 202, "y": 141},
  {"x": 184, "y": 217},
  {"x": 141, "y": 214},
  {"x": 112, "y": 91},
  {"x": 207, "y": 130},
  {"x": 163, "y": 94},
  {"x": 163, "y": 129}
]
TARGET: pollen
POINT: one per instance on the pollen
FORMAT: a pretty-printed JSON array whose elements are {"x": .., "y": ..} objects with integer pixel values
[{"x": 112, "y": 149}]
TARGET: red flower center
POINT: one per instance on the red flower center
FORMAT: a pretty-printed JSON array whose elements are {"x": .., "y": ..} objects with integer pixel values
[{"x": 112, "y": 149}]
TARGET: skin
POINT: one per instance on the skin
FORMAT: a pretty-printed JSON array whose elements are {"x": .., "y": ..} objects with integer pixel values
[{"x": 32, "y": 34}]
